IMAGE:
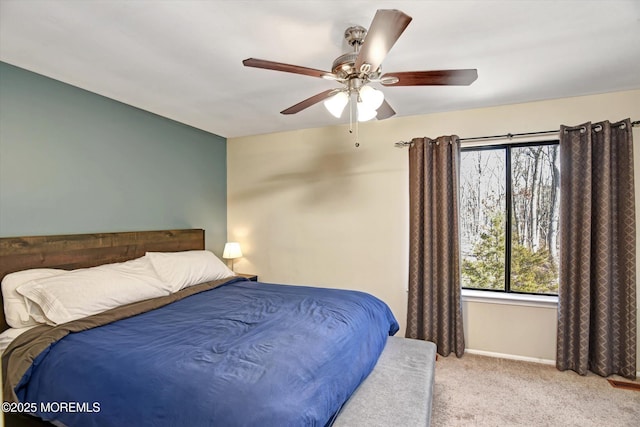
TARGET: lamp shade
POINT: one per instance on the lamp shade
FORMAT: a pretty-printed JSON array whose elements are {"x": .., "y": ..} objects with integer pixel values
[
  {"x": 371, "y": 97},
  {"x": 365, "y": 112},
  {"x": 335, "y": 105},
  {"x": 231, "y": 250}
]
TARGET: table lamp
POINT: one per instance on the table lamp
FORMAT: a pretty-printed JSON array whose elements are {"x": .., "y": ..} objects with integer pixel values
[{"x": 232, "y": 251}]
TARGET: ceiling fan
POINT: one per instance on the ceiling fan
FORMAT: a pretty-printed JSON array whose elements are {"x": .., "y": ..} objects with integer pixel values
[{"x": 356, "y": 70}]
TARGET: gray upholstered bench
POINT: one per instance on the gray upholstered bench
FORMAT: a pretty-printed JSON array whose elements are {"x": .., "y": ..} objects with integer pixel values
[{"x": 399, "y": 390}]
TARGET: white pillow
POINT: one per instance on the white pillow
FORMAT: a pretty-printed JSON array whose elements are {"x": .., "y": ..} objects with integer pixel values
[
  {"x": 87, "y": 291},
  {"x": 15, "y": 309},
  {"x": 183, "y": 269}
]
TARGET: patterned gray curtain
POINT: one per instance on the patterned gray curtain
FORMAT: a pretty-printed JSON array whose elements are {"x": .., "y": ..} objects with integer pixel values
[
  {"x": 597, "y": 294},
  {"x": 435, "y": 309}
]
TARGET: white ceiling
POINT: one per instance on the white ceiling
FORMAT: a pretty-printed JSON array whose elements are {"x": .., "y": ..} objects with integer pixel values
[{"x": 183, "y": 59}]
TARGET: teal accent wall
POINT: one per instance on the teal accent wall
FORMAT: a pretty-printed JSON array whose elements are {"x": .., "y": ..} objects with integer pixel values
[{"x": 74, "y": 162}]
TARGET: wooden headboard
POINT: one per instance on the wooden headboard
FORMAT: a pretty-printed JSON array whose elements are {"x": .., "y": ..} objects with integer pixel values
[{"x": 88, "y": 250}]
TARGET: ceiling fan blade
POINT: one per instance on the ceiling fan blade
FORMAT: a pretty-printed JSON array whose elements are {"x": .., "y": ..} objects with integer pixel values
[
  {"x": 385, "y": 111},
  {"x": 432, "y": 78},
  {"x": 310, "y": 101},
  {"x": 287, "y": 68},
  {"x": 385, "y": 29}
]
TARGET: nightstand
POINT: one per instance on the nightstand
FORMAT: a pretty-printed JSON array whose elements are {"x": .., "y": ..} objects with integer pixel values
[{"x": 252, "y": 277}]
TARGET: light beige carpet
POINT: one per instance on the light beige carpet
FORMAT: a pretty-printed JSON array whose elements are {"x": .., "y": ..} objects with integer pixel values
[{"x": 486, "y": 391}]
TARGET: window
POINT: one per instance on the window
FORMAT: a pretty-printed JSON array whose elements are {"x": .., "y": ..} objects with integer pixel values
[{"x": 509, "y": 202}]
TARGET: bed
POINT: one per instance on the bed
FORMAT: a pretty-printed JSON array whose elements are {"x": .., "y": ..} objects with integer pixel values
[{"x": 249, "y": 356}]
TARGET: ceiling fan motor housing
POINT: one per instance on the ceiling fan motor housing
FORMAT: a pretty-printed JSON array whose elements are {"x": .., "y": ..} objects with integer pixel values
[{"x": 344, "y": 65}]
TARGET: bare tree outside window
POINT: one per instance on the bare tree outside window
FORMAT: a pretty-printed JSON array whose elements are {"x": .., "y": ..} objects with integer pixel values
[
  {"x": 509, "y": 202},
  {"x": 482, "y": 210}
]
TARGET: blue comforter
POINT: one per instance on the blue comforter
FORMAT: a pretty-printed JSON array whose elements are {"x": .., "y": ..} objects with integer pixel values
[{"x": 243, "y": 354}]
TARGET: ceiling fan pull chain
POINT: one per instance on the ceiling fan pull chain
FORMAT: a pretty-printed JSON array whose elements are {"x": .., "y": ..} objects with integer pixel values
[
  {"x": 350, "y": 113},
  {"x": 351, "y": 119},
  {"x": 357, "y": 131}
]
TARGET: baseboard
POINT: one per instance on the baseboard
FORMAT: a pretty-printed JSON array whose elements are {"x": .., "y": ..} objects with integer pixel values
[
  {"x": 516, "y": 357},
  {"x": 511, "y": 356}
]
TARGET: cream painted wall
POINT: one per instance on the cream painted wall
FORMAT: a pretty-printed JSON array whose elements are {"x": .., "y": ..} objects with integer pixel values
[
  {"x": 511, "y": 330},
  {"x": 310, "y": 208}
]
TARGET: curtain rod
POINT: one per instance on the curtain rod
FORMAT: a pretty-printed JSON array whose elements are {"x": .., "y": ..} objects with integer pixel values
[{"x": 401, "y": 144}]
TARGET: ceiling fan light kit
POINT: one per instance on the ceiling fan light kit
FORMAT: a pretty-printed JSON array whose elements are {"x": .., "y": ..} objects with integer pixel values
[
  {"x": 371, "y": 97},
  {"x": 368, "y": 100},
  {"x": 335, "y": 105},
  {"x": 365, "y": 112},
  {"x": 357, "y": 70}
]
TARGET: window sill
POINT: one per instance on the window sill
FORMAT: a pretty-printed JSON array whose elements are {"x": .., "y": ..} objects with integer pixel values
[{"x": 487, "y": 297}]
